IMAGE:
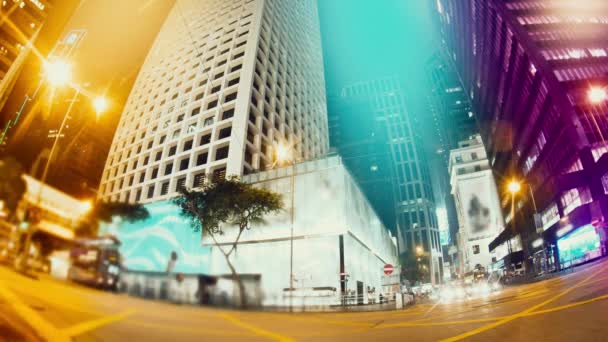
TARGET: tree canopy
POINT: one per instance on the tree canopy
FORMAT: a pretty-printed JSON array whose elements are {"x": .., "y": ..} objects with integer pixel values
[{"x": 105, "y": 211}]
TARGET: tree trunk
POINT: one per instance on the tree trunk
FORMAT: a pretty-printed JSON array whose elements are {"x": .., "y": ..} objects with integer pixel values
[{"x": 239, "y": 281}]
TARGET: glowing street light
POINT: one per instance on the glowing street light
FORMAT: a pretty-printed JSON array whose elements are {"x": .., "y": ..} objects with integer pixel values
[
  {"x": 597, "y": 95},
  {"x": 100, "y": 104},
  {"x": 58, "y": 72},
  {"x": 419, "y": 250},
  {"x": 514, "y": 186},
  {"x": 86, "y": 206}
]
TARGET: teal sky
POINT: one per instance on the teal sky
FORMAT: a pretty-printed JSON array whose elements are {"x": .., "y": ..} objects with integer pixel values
[{"x": 364, "y": 39}]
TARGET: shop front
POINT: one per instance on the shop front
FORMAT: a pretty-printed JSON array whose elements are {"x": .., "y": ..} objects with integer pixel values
[{"x": 579, "y": 246}]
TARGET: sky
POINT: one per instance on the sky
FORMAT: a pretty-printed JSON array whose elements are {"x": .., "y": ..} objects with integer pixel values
[{"x": 365, "y": 40}]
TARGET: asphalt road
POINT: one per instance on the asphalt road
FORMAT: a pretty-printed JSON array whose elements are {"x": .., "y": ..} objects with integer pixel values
[{"x": 571, "y": 307}]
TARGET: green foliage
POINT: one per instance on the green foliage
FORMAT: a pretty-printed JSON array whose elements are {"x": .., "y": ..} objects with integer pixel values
[
  {"x": 12, "y": 186},
  {"x": 227, "y": 201},
  {"x": 104, "y": 211}
]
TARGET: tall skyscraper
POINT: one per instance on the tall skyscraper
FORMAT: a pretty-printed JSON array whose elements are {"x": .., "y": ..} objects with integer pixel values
[
  {"x": 224, "y": 82},
  {"x": 536, "y": 74},
  {"x": 382, "y": 147}
]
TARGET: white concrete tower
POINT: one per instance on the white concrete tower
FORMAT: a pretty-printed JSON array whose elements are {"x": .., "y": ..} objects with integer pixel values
[{"x": 225, "y": 81}]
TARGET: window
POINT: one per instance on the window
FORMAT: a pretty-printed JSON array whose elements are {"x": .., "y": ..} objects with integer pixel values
[
  {"x": 219, "y": 174},
  {"x": 181, "y": 184},
  {"x": 199, "y": 96},
  {"x": 218, "y": 76},
  {"x": 474, "y": 156},
  {"x": 199, "y": 180},
  {"x": 201, "y": 159},
  {"x": 225, "y": 132},
  {"x": 212, "y": 104},
  {"x": 477, "y": 168},
  {"x": 216, "y": 89},
  {"x": 236, "y": 67},
  {"x": 168, "y": 169},
  {"x": 221, "y": 153},
  {"x": 208, "y": 122},
  {"x": 230, "y": 97},
  {"x": 475, "y": 249},
  {"x": 196, "y": 111},
  {"x": 164, "y": 189},
  {"x": 142, "y": 176},
  {"x": 228, "y": 114},
  {"x": 180, "y": 117},
  {"x": 150, "y": 191},
  {"x": 205, "y": 139},
  {"x": 154, "y": 173},
  {"x": 233, "y": 81},
  {"x": 172, "y": 150},
  {"x": 183, "y": 164},
  {"x": 162, "y": 139},
  {"x": 138, "y": 195},
  {"x": 188, "y": 145}
]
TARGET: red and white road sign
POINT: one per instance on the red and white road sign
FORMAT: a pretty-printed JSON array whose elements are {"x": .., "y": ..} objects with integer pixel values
[{"x": 388, "y": 269}]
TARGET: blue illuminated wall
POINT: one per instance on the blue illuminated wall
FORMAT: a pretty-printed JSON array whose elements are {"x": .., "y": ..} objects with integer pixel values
[
  {"x": 577, "y": 244},
  {"x": 147, "y": 245}
]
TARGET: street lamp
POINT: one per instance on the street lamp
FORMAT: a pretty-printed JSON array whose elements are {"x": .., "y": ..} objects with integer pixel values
[
  {"x": 597, "y": 95},
  {"x": 285, "y": 155},
  {"x": 57, "y": 72},
  {"x": 100, "y": 105}
]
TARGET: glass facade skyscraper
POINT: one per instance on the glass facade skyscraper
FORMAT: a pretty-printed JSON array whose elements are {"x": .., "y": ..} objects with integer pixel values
[{"x": 381, "y": 145}]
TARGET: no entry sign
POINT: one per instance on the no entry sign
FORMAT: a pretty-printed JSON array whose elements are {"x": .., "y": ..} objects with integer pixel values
[{"x": 388, "y": 269}]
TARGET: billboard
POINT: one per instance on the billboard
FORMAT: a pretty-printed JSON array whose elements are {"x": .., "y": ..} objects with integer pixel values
[
  {"x": 479, "y": 207},
  {"x": 148, "y": 245}
]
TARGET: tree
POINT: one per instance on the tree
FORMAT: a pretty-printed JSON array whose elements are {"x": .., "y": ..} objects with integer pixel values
[
  {"x": 412, "y": 267},
  {"x": 12, "y": 186},
  {"x": 105, "y": 211},
  {"x": 228, "y": 202}
]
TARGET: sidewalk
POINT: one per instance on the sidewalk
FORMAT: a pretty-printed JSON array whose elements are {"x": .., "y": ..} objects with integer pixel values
[{"x": 578, "y": 267}]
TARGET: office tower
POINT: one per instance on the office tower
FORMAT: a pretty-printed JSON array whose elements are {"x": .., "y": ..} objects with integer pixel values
[
  {"x": 535, "y": 72},
  {"x": 453, "y": 121},
  {"x": 381, "y": 146},
  {"x": 224, "y": 83},
  {"x": 478, "y": 205}
]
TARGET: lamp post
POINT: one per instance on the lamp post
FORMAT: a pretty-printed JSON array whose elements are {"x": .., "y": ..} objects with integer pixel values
[
  {"x": 284, "y": 155},
  {"x": 514, "y": 187},
  {"x": 58, "y": 73}
]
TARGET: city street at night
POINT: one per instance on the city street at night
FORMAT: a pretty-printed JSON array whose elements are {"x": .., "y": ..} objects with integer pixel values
[{"x": 569, "y": 307}]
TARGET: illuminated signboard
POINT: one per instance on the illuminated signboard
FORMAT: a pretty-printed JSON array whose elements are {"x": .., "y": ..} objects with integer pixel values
[
  {"x": 147, "y": 245},
  {"x": 582, "y": 242}
]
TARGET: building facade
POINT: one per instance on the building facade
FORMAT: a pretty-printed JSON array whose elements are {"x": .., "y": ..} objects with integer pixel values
[
  {"x": 535, "y": 72},
  {"x": 453, "y": 121},
  {"x": 477, "y": 205},
  {"x": 224, "y": 83},
  {"x": 340, "y": 246},
  {"x": 381, "y": 145}
]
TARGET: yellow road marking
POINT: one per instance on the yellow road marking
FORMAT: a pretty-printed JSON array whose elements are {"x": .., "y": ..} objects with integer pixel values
[
  {"x": 42, "y": 327},
  {"x": 179, "y": 328},
  {"x": 83, "y": 327},
  {"x": 567, "y": 306},
  {"x": 256, "y": 330},
  {"x": 517, "y": 315}
]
